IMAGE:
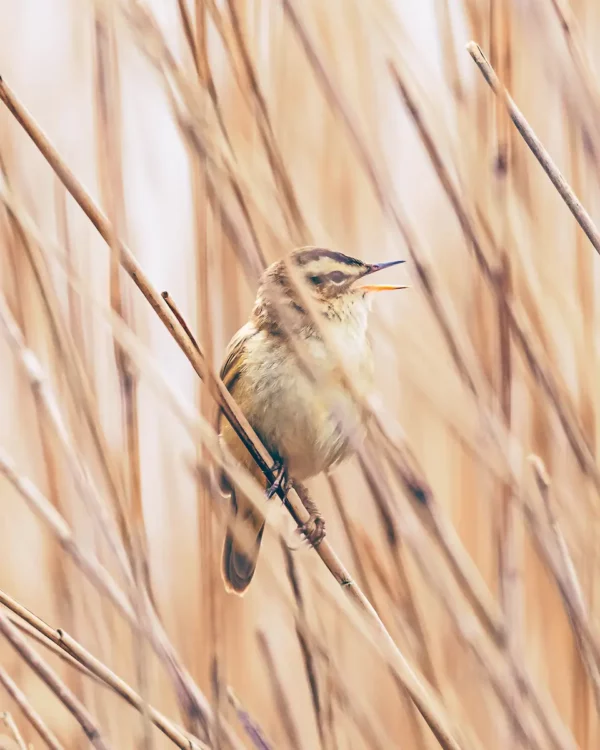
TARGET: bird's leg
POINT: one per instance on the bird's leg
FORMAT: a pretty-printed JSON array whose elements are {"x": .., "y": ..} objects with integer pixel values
[
  {"x": 280, "y": 481},
  {"x": 314, "y": 528}
]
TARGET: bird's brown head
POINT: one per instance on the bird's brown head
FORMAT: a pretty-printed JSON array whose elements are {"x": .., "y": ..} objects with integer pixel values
[
  {"x": 337, "y": 283},
  {"x": 327, "y": 274}
]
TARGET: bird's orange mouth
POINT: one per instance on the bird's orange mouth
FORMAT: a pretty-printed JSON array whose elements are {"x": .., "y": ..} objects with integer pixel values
[{"x": 380, "y": 287}]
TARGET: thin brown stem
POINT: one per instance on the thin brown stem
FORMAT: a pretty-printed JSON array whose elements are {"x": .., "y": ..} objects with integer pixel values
[
  {"x": 562, "y": 568},
  {"x": 537, "y": 148},
  {"x": 58, "y": 687},
  {"x": 279, "y": 693},
  {"x": 29, "y": 712},
  {"x": 94, "y": 668},
  {"x": 520, "y": 330},
  {"x": 13, "y": 729}
]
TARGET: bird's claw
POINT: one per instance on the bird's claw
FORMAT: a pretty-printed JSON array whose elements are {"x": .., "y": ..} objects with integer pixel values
[
  {"x": 280, "y": 481},
  {"x": 314, "y": 529}
]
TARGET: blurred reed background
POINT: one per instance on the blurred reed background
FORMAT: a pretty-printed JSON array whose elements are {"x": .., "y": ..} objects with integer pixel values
[{"x": 217, "y": 135}]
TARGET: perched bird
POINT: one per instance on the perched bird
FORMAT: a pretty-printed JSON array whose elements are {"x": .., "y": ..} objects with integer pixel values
[{"x": 289, "y": 408}]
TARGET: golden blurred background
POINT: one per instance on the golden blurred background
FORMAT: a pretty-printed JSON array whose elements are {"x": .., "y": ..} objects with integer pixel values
[{"x": 217, "y": 135}]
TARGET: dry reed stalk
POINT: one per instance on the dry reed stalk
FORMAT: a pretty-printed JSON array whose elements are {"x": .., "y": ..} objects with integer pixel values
[
  {"x": 435, "y": 519},
  {"x": 431, "y": 710},
  {"x": 78, "y": 383},
  {"x": 541, "y": 154},
  {"x": 305, "y": 646},
  {"x": 563, "y": 570},
  {"x": 537, "y": 729},
  {"x": 279, "y": 694},
  {"x": 367, "y": 547},
  {"x": 505, "y": 685},
  {"x": 503, "y": 681},
  {"x": 108, "y": 136},
  {"x": 253, "y": 730},
  {"x": 19, "y": 253},
  {"x": 92, "y": 667},
  {"x": 585, "y": 689},
  {"x": 350, "y": 532},
  {"x": 69, "y": 357},
  {"x": 48, "y": 404},
  {"x": 195, "y": 35},
  {"x": 112, "y": 195},
  {"x": 510, "y": 547},
  {"x": 106, "y": 584},
  {"x": 50, "y": 646},
  {"x": 520, "y": 679},
  {"x": 391, "y": 531},
  {"x": 537, "y": 362},
  {"x": 94, "y": 571},
  {"x": 166, "y": 726},
  {"x": 40, "y": 385},
  {"x": 374, "y": 735},
  {"x": 186, "y": 96},
  {"x": 53, "y": 681},
  {"x": 296, "y": 222},
  {"x": 575, "y": 43},
  {"x": 13, "y": 729},
  {"x": 29, "y": 712},
  {"x": 445, "y": 33}
]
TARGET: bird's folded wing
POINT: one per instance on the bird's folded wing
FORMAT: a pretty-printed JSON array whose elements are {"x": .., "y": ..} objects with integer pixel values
[{"x": 232, "y": 368}]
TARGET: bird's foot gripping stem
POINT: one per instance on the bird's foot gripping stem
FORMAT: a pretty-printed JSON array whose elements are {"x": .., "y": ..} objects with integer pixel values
[
  {"x": 280, "y": 482},
  {"x": 313, "y": 530}
]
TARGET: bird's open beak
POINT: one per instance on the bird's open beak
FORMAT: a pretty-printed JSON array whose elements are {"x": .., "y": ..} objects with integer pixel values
[{"x": 380, "y": 287}]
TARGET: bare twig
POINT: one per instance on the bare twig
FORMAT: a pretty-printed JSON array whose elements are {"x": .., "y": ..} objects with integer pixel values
[
  {"x": 576, "y": 45},
  {"x": 279, "y": 694},
  {"x": 581, "y": 215},
  {"x": 32, "y": 715},
  {"x": 562, "y": 568},
  {"x": 535, "y": 358},
  {"x": 58, "y": 687},
  {"x": 305, "y": 646},
  {"x": 14, "y": 729},
  {"x": 99, "y": 576},
  {"x": 94, "y": 668},
  {"x": 253, "y": 730},
  {"x": 167, "y": 727},
  {"x": 40, "y": 385},
  {"x": 297, "y": 223},
  {"x": 169, "y": 300}
]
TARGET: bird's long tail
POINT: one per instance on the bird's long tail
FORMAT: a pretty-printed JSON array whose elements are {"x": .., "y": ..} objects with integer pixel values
[{"x": 242, "y": 543}]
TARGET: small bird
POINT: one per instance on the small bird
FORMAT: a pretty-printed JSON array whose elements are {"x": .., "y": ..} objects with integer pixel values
[{"x": 291, "y": 411}]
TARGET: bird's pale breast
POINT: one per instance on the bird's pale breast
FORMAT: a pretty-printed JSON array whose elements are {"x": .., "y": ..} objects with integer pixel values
[{"x": 293, "y": 414}]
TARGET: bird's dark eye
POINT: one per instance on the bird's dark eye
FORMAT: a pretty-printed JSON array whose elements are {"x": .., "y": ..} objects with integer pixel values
[
  {"x": 316, "y": 280},
  {"x": 338, "y": 277}
]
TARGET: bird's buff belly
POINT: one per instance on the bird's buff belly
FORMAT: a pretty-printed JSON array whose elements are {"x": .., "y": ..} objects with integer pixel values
[{"x": 295, "y": 420}]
